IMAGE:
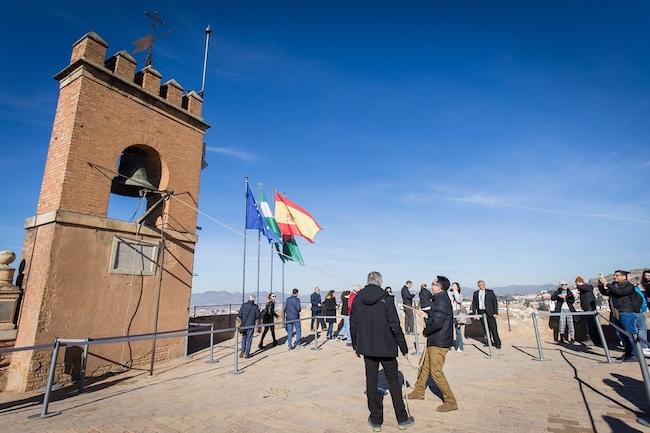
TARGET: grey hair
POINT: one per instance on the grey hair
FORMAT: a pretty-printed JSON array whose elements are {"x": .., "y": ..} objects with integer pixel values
[
  {"x": 251, "y": 297},
  {"x": 479, "y": 282},
  {"x": 375, "y": 278}
]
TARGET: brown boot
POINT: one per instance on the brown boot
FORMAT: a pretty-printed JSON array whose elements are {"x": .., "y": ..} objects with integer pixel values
[
  {"x": 414, "y": 396},
  {"x": 447, "y": 407}
]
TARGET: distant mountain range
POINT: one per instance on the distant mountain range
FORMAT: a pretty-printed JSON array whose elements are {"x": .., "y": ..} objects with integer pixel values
[{"x": 224, "y": 297}]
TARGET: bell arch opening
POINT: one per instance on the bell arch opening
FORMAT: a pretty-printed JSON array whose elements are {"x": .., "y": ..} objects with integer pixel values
[{"x": 141, "y": 174}]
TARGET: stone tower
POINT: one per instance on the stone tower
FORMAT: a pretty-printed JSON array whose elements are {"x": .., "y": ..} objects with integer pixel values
[{"x": 86, "y": 275}]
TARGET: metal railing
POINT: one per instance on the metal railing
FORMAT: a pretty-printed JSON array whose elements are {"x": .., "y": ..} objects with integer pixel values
[
  {"x": 87, "y": 342},
  {"x": 635, "y": 340},
  {"x": 231, "y": 308}
]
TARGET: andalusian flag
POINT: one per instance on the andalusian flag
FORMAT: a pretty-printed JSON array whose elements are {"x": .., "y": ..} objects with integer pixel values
[
  {"x": 270, "y": 227},
  {"x": 290, "y": 250},
  {"x": 294, "y": 220}
]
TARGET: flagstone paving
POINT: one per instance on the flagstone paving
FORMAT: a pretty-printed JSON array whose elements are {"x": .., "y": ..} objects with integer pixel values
[{"x": 322, "y": 391}]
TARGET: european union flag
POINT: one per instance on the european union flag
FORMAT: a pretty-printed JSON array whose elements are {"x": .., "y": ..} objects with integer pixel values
[{"x": 253, "y": 217}]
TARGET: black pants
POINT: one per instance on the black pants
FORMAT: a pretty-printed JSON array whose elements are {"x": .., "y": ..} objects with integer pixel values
[
  {"x": 408, "y": 319},
  {"x": 591, "y": 329},
  {"x": 266, "y": 329},
  {"x": 492, "y": 327},
  {"x": 375, "y": 400},
  {"x": 319, "y": 321}
]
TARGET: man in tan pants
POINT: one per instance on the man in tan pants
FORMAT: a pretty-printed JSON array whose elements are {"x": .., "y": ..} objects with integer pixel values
[{"x": 438, "y": 330}]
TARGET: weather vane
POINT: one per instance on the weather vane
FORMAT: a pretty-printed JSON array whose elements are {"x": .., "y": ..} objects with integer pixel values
[{"x": 146, "y": 42}]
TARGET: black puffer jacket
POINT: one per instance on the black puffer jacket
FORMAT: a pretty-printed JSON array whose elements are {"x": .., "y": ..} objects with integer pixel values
[
  {"x": 329, "y": 308},
  {"x": 587, "y": 298},
  {"x": 570, "y": 300},
  {"x": 621, "y": 295},
  {"x": 344, "y": 303},
  {"x": 375, "y": 326},
  {"x": 440, "y": 323}
]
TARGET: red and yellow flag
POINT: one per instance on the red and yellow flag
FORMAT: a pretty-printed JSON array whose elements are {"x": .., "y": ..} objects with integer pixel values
[{"x": 293, "y": 220}]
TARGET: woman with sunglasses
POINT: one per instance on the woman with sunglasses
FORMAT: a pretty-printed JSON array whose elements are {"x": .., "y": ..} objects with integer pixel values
[{"x": 268, "y": 316}]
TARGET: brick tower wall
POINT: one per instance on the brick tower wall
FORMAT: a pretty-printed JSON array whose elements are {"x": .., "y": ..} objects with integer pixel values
[{"x": 104, "y": 107}]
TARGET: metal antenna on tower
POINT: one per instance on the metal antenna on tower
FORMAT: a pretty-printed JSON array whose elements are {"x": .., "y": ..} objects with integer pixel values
[
  {"x": 146, "y": 42},
  {"x": 208, "y": 33}
]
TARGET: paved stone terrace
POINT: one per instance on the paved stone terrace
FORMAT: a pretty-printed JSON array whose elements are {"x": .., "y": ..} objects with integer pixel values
[{"x": 322, "y": 391}]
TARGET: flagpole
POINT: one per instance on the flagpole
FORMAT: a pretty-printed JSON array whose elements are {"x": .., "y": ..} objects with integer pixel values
[
  {"x": 243, "y": 284},
  {"x": 271, "y": 290},
  {"x": 282, "y": 283},
  {"x": 259, "y": 243}
]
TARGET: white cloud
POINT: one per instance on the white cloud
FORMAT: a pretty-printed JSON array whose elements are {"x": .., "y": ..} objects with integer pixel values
[{"x": 232, "y": 152}]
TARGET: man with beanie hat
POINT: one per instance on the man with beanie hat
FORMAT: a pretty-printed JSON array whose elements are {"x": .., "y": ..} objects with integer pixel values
[
  {"x": 438, "y": 330},
  {"x": 588, "y": 303}
]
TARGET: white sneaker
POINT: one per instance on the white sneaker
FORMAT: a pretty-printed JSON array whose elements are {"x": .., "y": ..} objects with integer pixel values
[
  {"x": 459, "y": 350},
  {"x": 646, "y": 352}
]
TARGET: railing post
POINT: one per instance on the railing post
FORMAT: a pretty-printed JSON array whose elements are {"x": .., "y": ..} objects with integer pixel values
[
  {"x": 487, "y": 333},
  {"x": 194, "y": 315},
  {"x": 50, "y": 381},
  {"x": 508, "y": 315},
  {"x": 84, "y": 363},
  {"x": 236, "y": 369},
  {"x": 187, "y": 343},
  {"x": 417, "y": 334},
  {"x": 315, "y": 338},
  {"x": 643, "y": 420},
  {"x": 211, "y": 359},
  {"x": 540, "y": 353},
  {"x": 601, "y": 334}
]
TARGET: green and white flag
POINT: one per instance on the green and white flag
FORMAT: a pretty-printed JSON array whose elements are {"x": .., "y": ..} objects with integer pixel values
[
  {"x": 272, "y": 232},
  {"x": 290, "y": 250}
]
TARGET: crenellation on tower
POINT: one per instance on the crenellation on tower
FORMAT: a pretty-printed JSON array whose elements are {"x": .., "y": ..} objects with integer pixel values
[
  {"x": 122, "y": 64},
  {"x": 193, "y": 103},
  {"x": 149, "y": 79},
  {"x": 172, "y": 92},
  {"x": 91, "y": 47}
]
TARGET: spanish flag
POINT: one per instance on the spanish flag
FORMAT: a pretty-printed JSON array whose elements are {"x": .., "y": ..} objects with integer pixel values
[{"x": 293, "y": 220}]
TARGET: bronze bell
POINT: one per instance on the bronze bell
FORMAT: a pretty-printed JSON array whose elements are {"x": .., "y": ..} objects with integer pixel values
[{"x": 133, "y": 175}]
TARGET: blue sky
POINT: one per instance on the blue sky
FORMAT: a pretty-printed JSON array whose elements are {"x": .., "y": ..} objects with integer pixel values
[{"x": 499, "y": 140}]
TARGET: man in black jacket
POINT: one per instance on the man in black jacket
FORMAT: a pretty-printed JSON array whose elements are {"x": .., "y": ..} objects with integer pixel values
[
  {"x": 485, "y": 302},
  {"x": 438, "y": 330},
  {"x": 316, "y": 310},
  {"x": 376, "y": 334},
  {"x": 588, "y": 303},
  {"x": 407, "y": 301},
  {"x": 425, "y": 298},
  {"x": 626, "y": 303},
  {"x": 249, "y": 314}
]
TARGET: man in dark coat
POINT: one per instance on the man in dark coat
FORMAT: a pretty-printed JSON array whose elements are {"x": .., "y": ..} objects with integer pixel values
[
  {"x": 292, "y": 317},
  {"x": 626, "y": 304},
  {"x": 588, "y": 303},
  {"x": 425, "y": 298},
  {"x": 249, "y": 314},
  {"x": 407, "y": 301},
  {"x": 376, "y": 334},
  {"x": 485, "y": 302},
  {"x": 438, "y": 329},
  {"x": 316, "y": 310}
]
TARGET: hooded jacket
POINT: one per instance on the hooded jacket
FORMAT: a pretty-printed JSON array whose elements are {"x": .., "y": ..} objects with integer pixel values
[
  {"x": 374, "y": 326},
  {"x": 440, "y": 323},
  {"x": 622, "y": 296}
]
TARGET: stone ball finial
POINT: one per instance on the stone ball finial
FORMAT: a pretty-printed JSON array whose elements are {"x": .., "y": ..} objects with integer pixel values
[{"x": 7, "y": 257}]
